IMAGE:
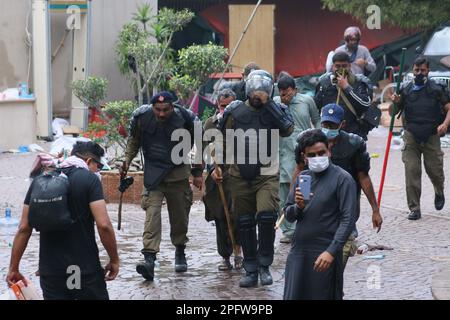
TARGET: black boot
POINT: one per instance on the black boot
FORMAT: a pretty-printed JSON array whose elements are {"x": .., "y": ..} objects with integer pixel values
[
  {"x": 414, "y": 215},
  {"x": 147, "y": 268},
  {"x": 249, "y": 280},
  {"x": 247, "y": 231},
  {"x": 265, "y": 276},
  {"x": 180, "y": 259},
  {"x": 266, "y": 237},
  {"x": 439, "y": 201}
]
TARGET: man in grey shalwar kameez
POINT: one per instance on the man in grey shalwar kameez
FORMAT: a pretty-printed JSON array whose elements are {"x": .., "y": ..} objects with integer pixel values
[{"x": 314, "y": 267}]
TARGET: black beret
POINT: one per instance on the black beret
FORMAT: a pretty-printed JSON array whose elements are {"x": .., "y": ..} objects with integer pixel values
[{"x": 162, "y": 97}]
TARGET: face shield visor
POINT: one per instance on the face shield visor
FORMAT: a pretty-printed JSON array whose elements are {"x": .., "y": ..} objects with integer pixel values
[{"x": 259, "y": 81}]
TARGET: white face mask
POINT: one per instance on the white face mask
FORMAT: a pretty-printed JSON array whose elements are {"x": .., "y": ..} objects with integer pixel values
[{"x": 318, "y": 164}]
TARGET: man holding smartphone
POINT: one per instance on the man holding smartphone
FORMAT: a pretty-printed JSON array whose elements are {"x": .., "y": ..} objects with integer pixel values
[{"x": 314, "y": 268}]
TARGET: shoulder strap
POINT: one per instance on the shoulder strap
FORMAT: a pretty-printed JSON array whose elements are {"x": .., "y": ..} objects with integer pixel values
[{"x": 348, "y": 104}]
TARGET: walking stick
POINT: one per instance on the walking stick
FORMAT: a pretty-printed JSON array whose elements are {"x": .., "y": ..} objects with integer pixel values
[
  {"x": 391, "y": 129},
  {"x": 279, "y": 222},
  {"x": 236, "y": 248}
]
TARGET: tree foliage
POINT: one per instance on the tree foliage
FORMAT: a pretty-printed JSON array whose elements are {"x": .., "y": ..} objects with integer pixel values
[
  {"x": 402, "y": 13},
  {"x": 148, "y": 63},
  {"x": 90, "y": 91},
  {"x": 195, "y": 64}
]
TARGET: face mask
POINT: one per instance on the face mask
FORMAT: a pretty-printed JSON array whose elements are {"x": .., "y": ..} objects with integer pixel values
[
  {"x": 420, "y": 79},
  {"x": 318, "y": 164},
  {"x": 330, "y": 133}
]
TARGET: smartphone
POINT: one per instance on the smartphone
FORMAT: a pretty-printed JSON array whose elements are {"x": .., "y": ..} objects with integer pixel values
[{"x": 304, "y": 183}]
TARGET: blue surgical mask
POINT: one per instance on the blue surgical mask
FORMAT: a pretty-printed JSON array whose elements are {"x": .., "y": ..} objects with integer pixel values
[{"x": 330, "y": 133}]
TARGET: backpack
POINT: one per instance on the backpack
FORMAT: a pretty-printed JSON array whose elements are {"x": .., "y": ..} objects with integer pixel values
[{"x": 49, "y": 206}]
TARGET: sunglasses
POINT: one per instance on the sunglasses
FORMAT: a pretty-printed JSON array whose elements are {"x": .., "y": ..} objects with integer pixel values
[{"x": 98, "y": 163}]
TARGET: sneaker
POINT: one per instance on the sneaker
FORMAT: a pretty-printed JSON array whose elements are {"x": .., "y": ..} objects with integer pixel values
[{"x": 439, "y": 201}]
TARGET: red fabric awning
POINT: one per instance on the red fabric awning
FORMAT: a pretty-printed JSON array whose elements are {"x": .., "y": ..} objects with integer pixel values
[{"x": 305, "y": 33}]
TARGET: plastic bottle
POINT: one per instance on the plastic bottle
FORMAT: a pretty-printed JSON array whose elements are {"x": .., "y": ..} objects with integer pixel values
[{"x": 8, "y": 228}]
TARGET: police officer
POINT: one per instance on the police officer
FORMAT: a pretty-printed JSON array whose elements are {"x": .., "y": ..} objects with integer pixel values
[
  {"x": 239, "y": 87},
  {"x": 426, "y": 116},
  {"x": 355, "y": 93},
  {"x": 255, "y": 184},
  {"x": 214, "y": 208},
  {"x": 151, "y": 129},
  {"x": 349, "y": 152}
]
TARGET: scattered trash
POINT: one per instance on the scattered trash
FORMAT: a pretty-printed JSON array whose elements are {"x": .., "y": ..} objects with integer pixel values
[
  {"x": 57, "y": 126},
  {"x": 375, "y": 155},
  {"x": 65, "y": 143},
  {"x": 10, "y": 94},
  {"x": 376, "y": 257},
  {"x": 445, "y": 258},
  {"x": 380, "y": 132},
  {"x": 35, "y": 148},
  {"x": 362, "y": 249},
  {"x": 445, "y": 141},
  {"x": 379, "y": 247},
  {"x": 23, "y": 149},
  {"x": 397, "y": 143},
  {"x": 71, "y": 130}
]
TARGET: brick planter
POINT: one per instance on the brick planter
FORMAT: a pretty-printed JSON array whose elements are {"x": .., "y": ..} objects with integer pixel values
[{"x": 110, "y": 182}]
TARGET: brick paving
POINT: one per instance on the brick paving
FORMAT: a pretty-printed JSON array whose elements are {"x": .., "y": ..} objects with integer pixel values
[{"x": 421, "y": 248}]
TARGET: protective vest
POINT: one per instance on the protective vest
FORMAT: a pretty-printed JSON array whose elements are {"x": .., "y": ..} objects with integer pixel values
[
  {"x": 251, "y": 122},
  {"x": 157, "y": 145},
  {"x": 423, "y": 112}
]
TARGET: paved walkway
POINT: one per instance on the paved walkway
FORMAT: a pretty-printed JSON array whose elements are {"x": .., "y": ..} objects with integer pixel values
[{"x": 411, "y": 271}]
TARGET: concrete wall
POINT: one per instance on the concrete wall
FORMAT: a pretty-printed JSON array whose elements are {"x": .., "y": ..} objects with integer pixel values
[
  {"x": 13, "y": 50},
  {"x": 108, "y": 17}
]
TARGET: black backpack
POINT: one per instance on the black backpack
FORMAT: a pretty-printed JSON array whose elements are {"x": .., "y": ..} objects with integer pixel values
[{"x": 49, "y": 206}]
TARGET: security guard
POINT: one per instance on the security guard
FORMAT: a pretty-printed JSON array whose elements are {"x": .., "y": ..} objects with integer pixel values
[
  {"x": 425, "y": 105},
  {"x": 255, "y": 184},
  {"x": 151, "y": 129},
  {"x": 349, "y": 152},
  {"x": 355, "y": 93}
]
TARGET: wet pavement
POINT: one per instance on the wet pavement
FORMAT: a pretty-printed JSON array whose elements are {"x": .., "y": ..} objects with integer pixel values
[{"x": 421, "y": 248}]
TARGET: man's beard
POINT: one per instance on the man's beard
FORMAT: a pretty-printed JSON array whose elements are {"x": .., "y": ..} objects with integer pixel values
[
  {"x": 352, "y": 47},
  {"x": 256, "y": 102}
]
